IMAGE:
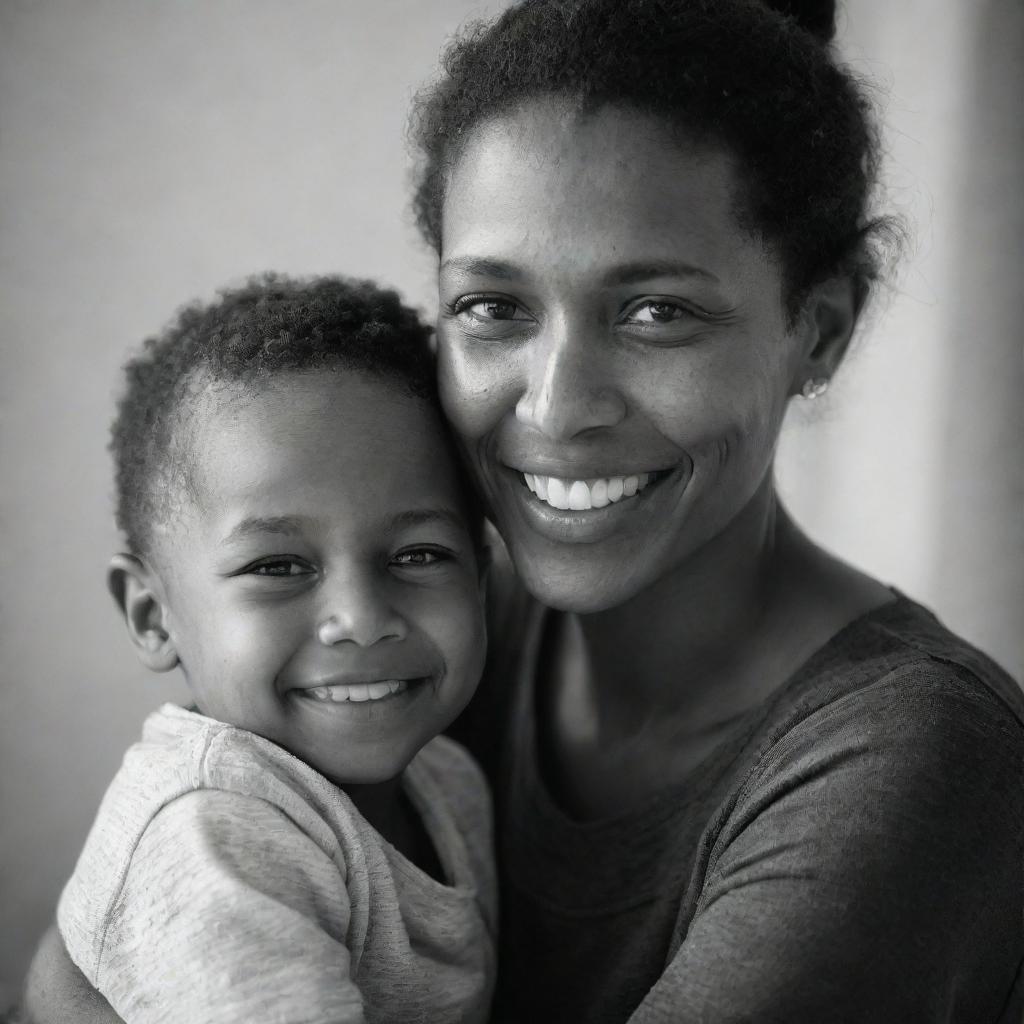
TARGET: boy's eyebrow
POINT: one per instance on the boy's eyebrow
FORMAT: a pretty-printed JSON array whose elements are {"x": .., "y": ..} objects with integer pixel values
[
  {"x": 253, "y": 525},
  {"x": 263, "y": 524},
  {"x": 418, "y": 516}
]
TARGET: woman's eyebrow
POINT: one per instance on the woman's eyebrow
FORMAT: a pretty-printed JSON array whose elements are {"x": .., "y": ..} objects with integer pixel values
[
  {"x": 483, "y": 267},
  {"x": 626, "y": 273},
  {"x": 631, "y": 273}
]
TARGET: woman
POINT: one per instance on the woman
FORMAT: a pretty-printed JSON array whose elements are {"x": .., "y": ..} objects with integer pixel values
[{"x": 736, "y": 778}]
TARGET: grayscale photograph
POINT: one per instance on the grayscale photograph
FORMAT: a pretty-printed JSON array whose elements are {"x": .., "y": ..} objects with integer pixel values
[{"x": 513, "y": 512}]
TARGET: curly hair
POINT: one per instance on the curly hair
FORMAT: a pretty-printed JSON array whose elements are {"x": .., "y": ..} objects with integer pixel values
[
  {"x": 269, "y": 325},
  {"x": 758, "y": 80}
]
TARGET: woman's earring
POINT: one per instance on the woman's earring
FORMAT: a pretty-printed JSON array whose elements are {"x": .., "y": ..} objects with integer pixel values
[{"x": 814, "y": 387}]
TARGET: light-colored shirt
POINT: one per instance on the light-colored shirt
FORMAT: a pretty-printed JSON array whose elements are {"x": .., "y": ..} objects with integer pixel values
[{"x": 225, "y": 880}]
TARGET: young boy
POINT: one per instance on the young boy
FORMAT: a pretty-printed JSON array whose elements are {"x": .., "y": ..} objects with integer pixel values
[{"x": 302, "y": 845}]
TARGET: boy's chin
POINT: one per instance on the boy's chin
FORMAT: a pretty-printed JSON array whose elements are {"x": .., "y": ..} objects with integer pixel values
[{"x": 370, "y": 770}]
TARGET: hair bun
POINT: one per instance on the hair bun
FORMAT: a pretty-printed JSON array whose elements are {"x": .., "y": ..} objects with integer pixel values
[{"x": 816, "y": 16}]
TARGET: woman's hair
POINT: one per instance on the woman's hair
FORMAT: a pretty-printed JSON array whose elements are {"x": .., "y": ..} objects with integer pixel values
[
  {"x": 760, "y": 81},
  {"x": 269, "y": 325}
]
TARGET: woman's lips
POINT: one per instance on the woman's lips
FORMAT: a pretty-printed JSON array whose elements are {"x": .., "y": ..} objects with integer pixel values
[
  {"x": 581, "y": 494},
  {"x": 588, "y": 510}
]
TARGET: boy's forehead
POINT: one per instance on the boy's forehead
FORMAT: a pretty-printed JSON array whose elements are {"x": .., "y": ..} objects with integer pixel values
[{"x": 312, "y": 435}]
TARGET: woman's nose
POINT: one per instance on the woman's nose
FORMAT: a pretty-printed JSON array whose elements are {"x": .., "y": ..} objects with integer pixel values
[
  {"x": 568, "y": 388},
  {"x": 359, "y": 612}
]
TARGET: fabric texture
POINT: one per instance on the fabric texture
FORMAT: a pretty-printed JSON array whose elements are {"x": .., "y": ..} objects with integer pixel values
[
  {"x": 226, "y": 881},
  {"x": 853, "y": 851}
]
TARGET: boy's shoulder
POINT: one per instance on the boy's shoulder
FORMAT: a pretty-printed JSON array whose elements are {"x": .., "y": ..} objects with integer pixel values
[
  {"x": 182, "y": 754},
  {"x": 182, "y": 751}
]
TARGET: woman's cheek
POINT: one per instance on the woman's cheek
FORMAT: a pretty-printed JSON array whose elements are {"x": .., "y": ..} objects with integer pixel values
[
  {"x": 717, "y": 397},
  {"x": 477, "y": 386}
]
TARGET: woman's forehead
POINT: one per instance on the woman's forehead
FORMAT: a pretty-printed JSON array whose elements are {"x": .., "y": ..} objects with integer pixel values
[{"x": 557, "y": 189}]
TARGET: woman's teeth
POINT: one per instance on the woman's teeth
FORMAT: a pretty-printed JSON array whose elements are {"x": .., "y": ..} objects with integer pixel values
[
  {"x": 357, "y": 691},
  {"x": 578, "y": 495}
]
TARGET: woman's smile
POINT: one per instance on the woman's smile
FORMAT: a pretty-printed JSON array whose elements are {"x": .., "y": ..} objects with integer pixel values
[
  {"x": 582, "y": 494},
  {"x": 590, "y": 510}
]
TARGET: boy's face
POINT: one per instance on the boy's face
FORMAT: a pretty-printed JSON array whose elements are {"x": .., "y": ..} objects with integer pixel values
[{"x": 323, "y": 561}]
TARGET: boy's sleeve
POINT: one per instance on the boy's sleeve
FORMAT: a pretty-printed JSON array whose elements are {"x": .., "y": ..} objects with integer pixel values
[{"x": 229, "y": 913}]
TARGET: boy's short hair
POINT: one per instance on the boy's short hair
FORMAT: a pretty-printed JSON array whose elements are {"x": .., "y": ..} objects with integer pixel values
[{"x": 269, "y": 325}]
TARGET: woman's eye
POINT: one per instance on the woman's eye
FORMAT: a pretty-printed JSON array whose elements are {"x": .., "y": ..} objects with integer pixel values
[
  {"x": 279, "y": 567},
  {"x": 657, "y": 313},
  {"x": 490, "y": 317}
]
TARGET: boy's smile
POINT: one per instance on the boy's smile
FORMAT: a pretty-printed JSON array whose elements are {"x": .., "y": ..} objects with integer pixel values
[{"x": 320, "y": 587}]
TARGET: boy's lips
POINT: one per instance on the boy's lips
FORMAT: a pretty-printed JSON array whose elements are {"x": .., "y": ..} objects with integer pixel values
[
  {"x": 357, "y": 687},
  {"x": 338, "y": 693}
]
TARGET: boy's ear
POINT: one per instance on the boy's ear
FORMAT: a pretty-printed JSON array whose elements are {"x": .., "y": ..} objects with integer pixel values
[
  {"x": 139, "y": 595},
  {"x": 828, "y": 319}
]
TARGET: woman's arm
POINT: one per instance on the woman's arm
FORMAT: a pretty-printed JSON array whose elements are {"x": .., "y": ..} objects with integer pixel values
[
  {"x": 56, "y": 991},
  {"x": 871, "y": 871}
]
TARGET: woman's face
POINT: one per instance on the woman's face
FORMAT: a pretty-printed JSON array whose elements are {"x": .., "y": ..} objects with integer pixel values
[{"x": 614, "y": 349}]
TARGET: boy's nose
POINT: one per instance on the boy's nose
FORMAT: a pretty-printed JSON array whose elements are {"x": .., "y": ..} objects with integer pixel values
[{"x": 361, "y": 617}]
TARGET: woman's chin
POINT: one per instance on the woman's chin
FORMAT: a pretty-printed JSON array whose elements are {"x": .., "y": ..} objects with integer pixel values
[{"x": 578, "y": 580}]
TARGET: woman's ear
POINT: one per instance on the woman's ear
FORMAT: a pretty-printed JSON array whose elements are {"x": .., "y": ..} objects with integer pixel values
[
  {"x": 827, "y": 321},
  {"x": 139, "y": 594}
]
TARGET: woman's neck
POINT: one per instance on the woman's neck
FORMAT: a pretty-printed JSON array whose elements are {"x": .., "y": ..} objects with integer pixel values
[{"x": 720, "y": 633}]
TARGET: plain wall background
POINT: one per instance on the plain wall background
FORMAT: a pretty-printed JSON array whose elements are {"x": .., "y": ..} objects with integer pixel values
[{"x": 151, "y": 152}]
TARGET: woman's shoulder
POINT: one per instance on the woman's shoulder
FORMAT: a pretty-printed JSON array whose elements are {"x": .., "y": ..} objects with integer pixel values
[
  {"x": 890, "y": 652},
  {"x": 896, "y": 688},
  {"x": 880, "y": 806}
]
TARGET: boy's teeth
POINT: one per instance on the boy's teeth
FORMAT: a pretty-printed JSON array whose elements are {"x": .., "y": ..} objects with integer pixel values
[
  {"x": 579, "y": 495},
  {"x": 357, "y": 692}
]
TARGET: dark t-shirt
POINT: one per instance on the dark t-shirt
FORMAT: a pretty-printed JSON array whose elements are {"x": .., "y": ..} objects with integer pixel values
[{"x": 853, "y": 851}]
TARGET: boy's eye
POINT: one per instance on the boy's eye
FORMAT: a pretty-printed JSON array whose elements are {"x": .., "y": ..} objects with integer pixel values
[
  {"x": 279, "y": 567},
  {"x": 420, "y": 557}
]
